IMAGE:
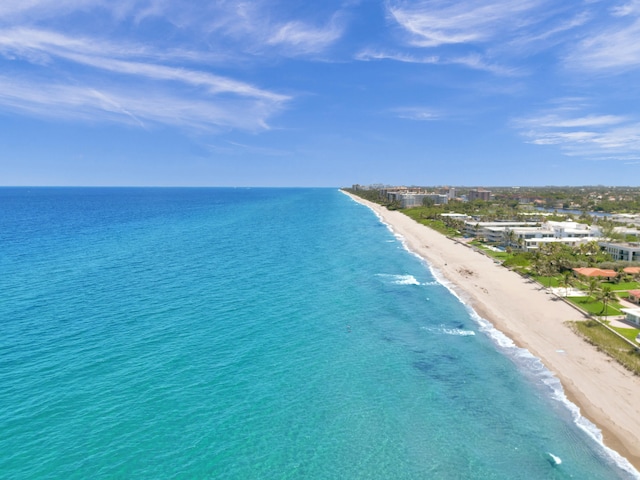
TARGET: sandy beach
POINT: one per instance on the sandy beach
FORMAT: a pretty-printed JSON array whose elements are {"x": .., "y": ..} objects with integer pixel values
[{"x": 606, "y": 393}]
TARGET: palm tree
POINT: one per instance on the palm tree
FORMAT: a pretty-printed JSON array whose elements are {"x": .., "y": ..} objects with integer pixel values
[
  {"x": 606, "y": 295},
  {"x": 593, "y": 286},
  {"x": 510, "y": 237},
  {"x": 566, "y": 281}
]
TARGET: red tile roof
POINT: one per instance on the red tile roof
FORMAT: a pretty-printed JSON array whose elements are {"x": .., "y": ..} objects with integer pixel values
[{"x": 595, "y": 272}]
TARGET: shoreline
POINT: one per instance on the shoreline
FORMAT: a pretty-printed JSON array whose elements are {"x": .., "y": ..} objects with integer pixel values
[{"x": 605, "y": 392}]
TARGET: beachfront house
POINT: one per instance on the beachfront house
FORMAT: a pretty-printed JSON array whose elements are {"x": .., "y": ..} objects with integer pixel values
[
  {"x": 569, "y": 233},
  {"x": 595, "y": 272},
  {"x": 491, "y": 231},
  {"x": 632, "y": 315},
  {"x": 635, "y": 271},
  {"x": 634, "y": 296},
  {"x": 529, "y": 236}
]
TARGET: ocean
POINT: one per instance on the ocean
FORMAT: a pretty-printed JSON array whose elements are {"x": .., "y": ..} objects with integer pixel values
[{"x": 249, "y": 333}]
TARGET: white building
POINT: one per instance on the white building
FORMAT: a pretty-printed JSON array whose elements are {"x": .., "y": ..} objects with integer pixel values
[
  {"x": 628, "y": 252},
  {"x": 528, "y": 236},
  {"x": 408, "y": 199},
  {"x": 485, "y": 230},
  {"x": 632, "y": 315}
]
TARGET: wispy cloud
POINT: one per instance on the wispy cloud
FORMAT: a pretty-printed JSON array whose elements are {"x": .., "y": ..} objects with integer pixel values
[
  {"x": 473, "y": 61},
  {"x": 195, "y": 69},
  {"x": 494, "y": 36},
  {"x": 370, "y": 54},
  {"x": 440, "y": 22},
  {"x": 417, "y": 113},
  {"x": 613, "y": 49},
  {"x": 132, "y": 105},
  {"x": 33, "y": 43},
  {"x": 580, "y": 134},
  {"x": 301, "y": 38},
  {"x": 610, "y": 45},
  {"x": 122, "y": 92}
]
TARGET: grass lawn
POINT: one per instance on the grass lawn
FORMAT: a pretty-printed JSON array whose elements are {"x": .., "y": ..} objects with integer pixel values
[
  {"x": 630, "y": 333},
  {"x": 501, "y": 255},
  {"x": 607, "y": 342},
  {"x": 623, "y": 286},
  {"x": 437, "y": 225},
  {"x": 595, "y": 307},
  {"x": 547, "y": 281}
]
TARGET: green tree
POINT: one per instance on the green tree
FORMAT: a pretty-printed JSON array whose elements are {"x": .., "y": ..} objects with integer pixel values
[
  {"x": 593, "y": 286},
  {"x": 566, "y": 281},
  {"x": 606, "y": 295}
]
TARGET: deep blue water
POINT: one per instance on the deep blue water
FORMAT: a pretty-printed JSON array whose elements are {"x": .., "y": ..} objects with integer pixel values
[{"x": 253, "y": 334}]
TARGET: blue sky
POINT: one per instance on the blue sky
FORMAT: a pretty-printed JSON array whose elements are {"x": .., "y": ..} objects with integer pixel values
[{"x": 330, "y": 93}]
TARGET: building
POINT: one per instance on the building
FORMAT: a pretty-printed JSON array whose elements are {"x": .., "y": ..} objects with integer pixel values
[
  {"x": 632, "y": 315},
  {"x": 414, "y": 197},
  {"x": 479, "y": 194},
  {"x": 456, "y": 216},
  {"x": 626, "y": 252},
  {"x": 634, "y": 296},
  {"x": 626, "y": 218},
  {"x": 596, "y": 272},
  {"x": 486, "y": 230},
  {"x": 528, "y": 236}
]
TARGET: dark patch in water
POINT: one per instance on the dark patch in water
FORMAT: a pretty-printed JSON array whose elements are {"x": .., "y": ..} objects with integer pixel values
[{"x": 423, "y": 366}]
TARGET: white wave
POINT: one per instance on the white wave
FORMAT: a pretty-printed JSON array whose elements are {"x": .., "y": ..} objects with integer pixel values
[
  {"x": 400, "y": 279},
  {"x": 459, "y": 332},
  {"x": 406, "y": 280}
]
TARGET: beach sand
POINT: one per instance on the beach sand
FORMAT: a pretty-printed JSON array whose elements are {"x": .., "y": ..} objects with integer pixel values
[{"x": 606, "y": 393}]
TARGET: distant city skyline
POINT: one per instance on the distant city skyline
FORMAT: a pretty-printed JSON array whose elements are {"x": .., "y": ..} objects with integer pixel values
[{"x": 293, "y": 93}]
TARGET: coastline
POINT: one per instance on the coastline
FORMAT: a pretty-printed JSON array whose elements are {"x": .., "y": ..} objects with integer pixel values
[{"x": 606, "y": 393}]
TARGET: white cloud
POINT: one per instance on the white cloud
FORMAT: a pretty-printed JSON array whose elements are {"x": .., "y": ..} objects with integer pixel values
[
  {"x": 133, "y": 105},
  {"x": 440, "y": 22},
  {"x": 478, "y": 62},
  {"x": 591, "y": 135},
  {"x": 629, "y": 8},
  {"x": 299, "y": 37},
  {"x": 41, "y": 43},
  {"x": 367, "y": 55},
  {"x": 557, "y": 121},
  {"x": 37, "y": 10},
  {"x": 611, "y": 49},
  {"x": 417, "y": 113},
  {"x": 126, "y": 85},
  {"x": 473, "y": 61}
]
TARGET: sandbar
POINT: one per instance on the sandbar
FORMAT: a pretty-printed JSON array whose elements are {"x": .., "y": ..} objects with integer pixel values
[{"x": 607, "y": 394}]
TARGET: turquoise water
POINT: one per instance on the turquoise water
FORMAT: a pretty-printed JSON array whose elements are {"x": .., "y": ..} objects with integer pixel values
[{"x": 252, "y": 334}]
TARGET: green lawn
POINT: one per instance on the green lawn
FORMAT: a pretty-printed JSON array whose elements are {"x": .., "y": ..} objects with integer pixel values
[
  {"x": 630, "y": 333},
  {"x": 595, "y": 307},
  {"x": 623, "y": 286},
  {"x": 547, "y": 281}
]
